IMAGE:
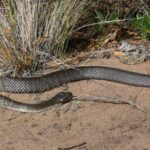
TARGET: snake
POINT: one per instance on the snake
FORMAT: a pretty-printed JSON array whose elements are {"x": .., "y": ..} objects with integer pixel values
[{"x": 59, "y": 78}]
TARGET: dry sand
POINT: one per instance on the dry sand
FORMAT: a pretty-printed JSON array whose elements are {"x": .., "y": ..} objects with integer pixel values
[{"x": 96, "y": 126}]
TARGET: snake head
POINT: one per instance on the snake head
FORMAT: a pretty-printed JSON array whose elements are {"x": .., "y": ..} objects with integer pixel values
[{"x": 63, "y": 97}]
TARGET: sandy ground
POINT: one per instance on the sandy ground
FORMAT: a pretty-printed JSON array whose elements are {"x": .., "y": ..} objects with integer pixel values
[{"x": 85, "y": 125}]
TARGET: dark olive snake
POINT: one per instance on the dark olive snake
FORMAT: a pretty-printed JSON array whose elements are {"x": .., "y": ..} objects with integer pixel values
[{"x": 58, "y": 78}]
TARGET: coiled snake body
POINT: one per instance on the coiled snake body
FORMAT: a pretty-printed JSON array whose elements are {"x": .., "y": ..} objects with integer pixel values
[{"x": 50, "y": 81}]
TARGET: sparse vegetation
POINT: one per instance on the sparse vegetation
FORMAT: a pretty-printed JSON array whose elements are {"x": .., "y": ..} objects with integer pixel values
[
  {"x": 102, "y": 16},
  {"x": 142, "y": 24},
  {"x": 32, "y": 31},
  {"x": 136, "y": 14}
]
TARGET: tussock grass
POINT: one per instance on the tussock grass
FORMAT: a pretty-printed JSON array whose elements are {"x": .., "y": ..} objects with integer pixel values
[{"x": 31, "y": 31}]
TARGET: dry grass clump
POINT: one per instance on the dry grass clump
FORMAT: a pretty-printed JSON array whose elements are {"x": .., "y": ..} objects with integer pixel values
[{"x": 31, "y": 31}]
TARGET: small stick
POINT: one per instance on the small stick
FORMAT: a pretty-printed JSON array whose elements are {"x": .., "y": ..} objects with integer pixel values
[
  {"x": 72, "y": 147},
  {"x": 112, "y": 100}
]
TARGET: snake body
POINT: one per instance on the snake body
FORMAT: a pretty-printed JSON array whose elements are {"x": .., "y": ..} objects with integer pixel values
[
  {"x": 58, "y": 78},
  {"x": 60, "y": 98}
]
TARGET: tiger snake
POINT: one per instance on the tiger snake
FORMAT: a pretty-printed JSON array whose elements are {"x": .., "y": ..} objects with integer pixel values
[{"x": 59, "y": 78}]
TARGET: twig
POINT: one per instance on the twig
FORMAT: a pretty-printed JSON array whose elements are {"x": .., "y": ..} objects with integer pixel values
[
  {"x": 106, "y": 22},
  {"x": 95, "y": 55},
  {"x": 72, "y": 147},
  {"x": 112, "y": 100}
]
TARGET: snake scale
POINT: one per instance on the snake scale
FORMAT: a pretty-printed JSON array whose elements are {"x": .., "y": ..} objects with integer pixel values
[{"x": 58, "y": 78}]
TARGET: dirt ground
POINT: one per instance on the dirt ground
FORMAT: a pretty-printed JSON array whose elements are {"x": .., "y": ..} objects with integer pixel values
[{"x": 83, "y": 125}]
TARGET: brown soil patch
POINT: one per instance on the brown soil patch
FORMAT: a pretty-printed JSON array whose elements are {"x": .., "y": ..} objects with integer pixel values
[{"x": 101, "y": 126}]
